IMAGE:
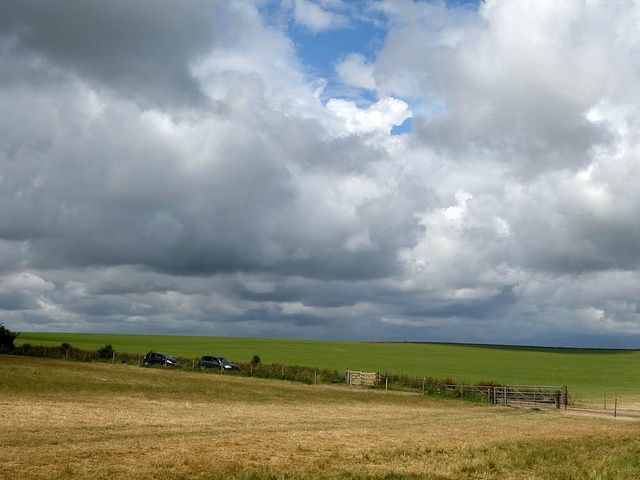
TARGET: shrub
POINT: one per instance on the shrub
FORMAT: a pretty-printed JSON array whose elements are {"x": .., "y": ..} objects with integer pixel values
[
  {"x": 6, "y": 338},
  {"x": 490, "y": 383},
  {"x": 255, "y": 360},
  {"x": 106, "y": 351}
]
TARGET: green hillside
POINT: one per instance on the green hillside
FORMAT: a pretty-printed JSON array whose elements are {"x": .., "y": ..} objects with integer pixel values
[{"x": 588, "y": 373}]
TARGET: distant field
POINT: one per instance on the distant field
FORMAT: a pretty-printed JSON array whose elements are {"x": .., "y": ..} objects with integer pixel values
[
  {"x": 65, "y": 419},
  {"x": 588, "y": 373}
]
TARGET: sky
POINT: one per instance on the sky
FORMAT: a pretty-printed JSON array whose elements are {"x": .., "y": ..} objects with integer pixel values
[{"x": 322, "y": 169}]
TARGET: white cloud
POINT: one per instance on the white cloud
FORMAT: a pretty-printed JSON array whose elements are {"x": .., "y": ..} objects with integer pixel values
[
  {"x": 317, "y": 19},
  {"x": 354, "y": 70},
  {"x": 26, "y": 281},
  {"x": 379, "y": 116}
]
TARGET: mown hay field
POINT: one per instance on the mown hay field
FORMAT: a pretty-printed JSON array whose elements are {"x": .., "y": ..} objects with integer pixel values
[
  {"x": 65, "y": 419},
  {"x": 587, "y": 372}
]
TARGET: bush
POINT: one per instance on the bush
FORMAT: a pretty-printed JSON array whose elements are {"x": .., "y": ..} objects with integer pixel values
[
  {"x": 490, "y": 383},
  {"x": 106, "y": 351},
  {"x": 255, "y": 360},
  {"x": 6, "y": 338}
]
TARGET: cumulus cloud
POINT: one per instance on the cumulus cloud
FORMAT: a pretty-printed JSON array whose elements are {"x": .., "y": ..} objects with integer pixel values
[
  {"x": 174, "y": 169},
  {"x": 514, "y": 80},
  {"x": 354, "y": 70},
  {"x": 379, "y": 116},
  {"x": 316, "y": 18}
]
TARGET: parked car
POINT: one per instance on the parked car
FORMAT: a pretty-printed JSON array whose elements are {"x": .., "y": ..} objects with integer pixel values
[
  {"x": 155, "y": 358},
  {"x": 213, "y": 361}
]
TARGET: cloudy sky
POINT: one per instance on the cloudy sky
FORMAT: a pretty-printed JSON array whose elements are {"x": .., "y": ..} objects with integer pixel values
[{"x": 371, "y": 170}]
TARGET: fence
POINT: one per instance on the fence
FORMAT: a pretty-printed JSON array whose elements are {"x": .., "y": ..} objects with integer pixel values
[
  {"x": 551, "y": 396},
  {"x": 362, "y": 379},
  {"x": 308, "y": 375},
  {"x": 518, "y": 394},
  {"x": 489, "y": 392}
]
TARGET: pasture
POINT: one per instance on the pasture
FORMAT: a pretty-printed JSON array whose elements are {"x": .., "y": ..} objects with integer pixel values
[
  {"x": 587, "y": 372},
  {"x": 92, "y": 420}
]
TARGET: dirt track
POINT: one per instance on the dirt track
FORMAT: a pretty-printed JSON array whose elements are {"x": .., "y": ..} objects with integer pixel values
[{"x": 607, "y": 413}]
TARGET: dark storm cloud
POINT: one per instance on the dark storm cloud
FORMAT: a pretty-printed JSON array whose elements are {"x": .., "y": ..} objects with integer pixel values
[
  {"x": 36, "y": 320},
  {"x": 107, "y": 307},
  {"x": 491, "y": 307},
  {"x": 141, "y": 49},
  {"x": 325, "y": 295},
  {"x": 16, "y": 301}
]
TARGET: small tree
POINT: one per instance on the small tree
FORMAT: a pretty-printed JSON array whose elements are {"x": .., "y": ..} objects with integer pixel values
[
  {"x": 64, "y": 348},
  {"x": 255, "y": 360},
  {"x": 6, "y": 338},
  {"x": 106, "y": 351}
]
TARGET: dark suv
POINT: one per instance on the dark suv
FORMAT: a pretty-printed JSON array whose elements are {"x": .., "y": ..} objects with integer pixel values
[
  {"x": 221, "y": 363},
  {"x": 155, "y": 358}
]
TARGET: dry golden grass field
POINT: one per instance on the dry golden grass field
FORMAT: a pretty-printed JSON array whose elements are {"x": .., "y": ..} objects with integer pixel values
[{"x": 90, "y": 420}]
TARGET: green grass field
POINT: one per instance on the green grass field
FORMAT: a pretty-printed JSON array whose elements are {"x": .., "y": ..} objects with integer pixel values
[{"x": 588, "y": 373}]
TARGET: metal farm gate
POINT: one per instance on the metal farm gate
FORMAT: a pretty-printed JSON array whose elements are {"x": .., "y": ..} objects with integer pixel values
[
  {"x": 531, "y": 394},
  {"x": 518, "y": 394}
]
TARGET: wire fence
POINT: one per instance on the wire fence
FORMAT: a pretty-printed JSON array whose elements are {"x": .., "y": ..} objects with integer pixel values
[
  {"x": 294, "y": 373},
  {"x": 489, "y": 391}
]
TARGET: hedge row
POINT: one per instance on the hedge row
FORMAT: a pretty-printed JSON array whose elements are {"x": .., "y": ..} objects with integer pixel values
[{"x": 294, "y": 373}]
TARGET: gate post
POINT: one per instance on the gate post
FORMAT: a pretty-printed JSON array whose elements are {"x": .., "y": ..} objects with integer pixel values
[{"x": 557, "y": 398}]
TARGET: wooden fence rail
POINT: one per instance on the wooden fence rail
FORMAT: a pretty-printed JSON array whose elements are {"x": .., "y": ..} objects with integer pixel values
[{"x": 362, "y": 379}]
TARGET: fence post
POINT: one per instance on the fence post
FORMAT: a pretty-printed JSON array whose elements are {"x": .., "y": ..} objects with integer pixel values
[
  {"x": 566, "y": 397},
  {"x": 505, "y": 399},
  {"x": 193, "y": 365},
  {"x": 423, "y": 387},
  {"x": 386, "y": 383},
  {"x": 113, "y": 359},
  {"x": 283, "y": 372},
  {"x": 557, "y": 398},
  {"x": 315, "y": 377},
  {"x": 615, "y": 408},
  {"x": 251, "y": 370}
]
